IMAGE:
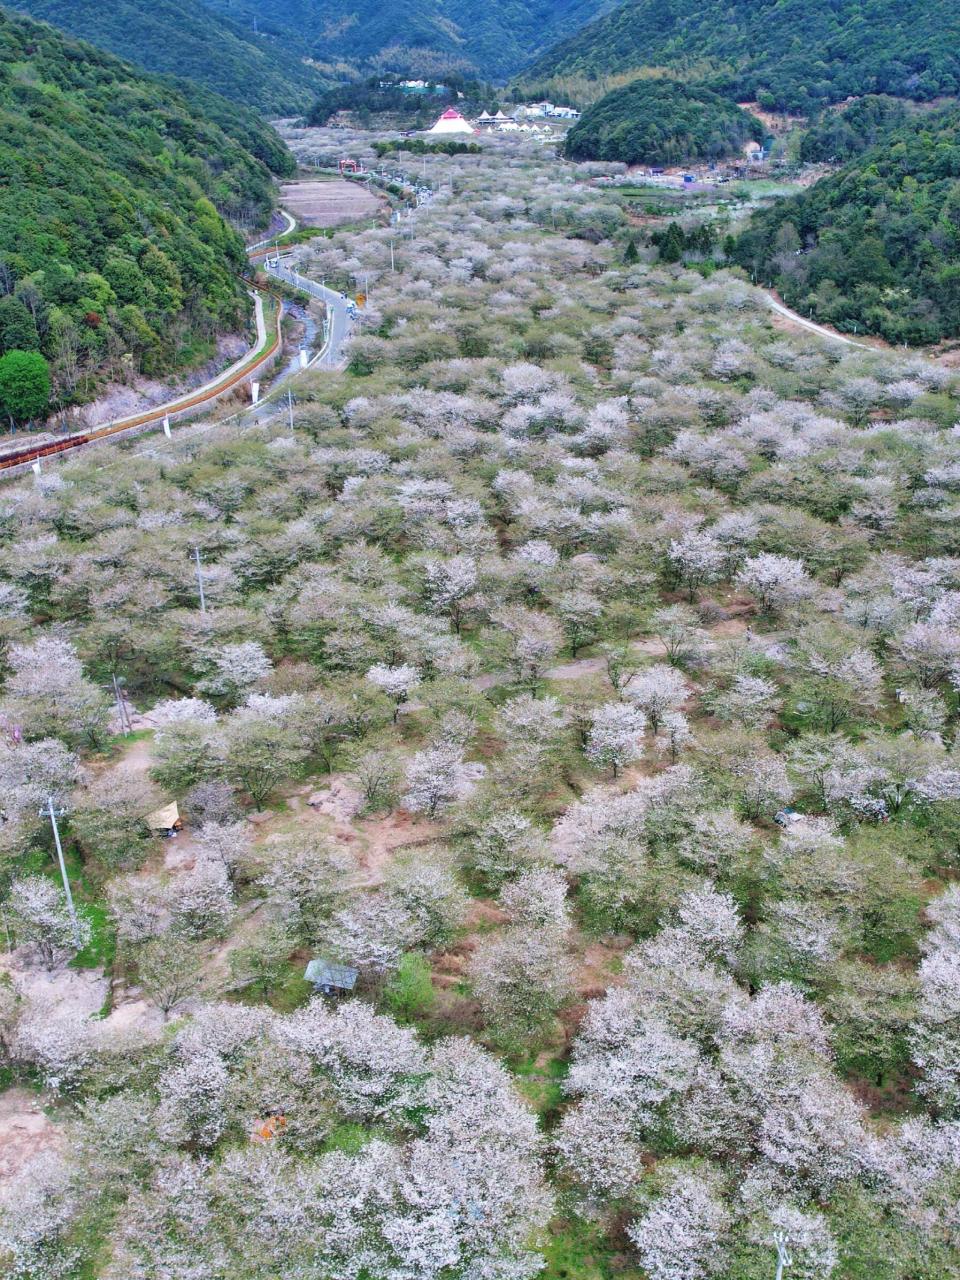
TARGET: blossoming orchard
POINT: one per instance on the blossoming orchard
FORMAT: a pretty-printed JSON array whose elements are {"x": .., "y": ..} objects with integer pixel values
[{"x": 575, "y": 691}]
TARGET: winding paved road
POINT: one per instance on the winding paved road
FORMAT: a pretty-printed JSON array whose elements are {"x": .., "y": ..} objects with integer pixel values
[
  {"x": 331, "y": 355},
  {"x": 340, "y": 312}
]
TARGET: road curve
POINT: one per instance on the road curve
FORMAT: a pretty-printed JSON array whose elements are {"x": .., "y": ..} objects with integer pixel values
[
  {"x": 339, "y": 312},
  {"x": 776, "y": 305},
  {"x": 246, "y": 367},
  {"x": 255, "y": 359},
  {"x": 253, "y": 249}
]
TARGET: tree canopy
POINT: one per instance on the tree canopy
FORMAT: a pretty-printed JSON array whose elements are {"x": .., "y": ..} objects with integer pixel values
[
  {"x": 661, "y": 122},
  {"x": 877, "y": 245},
  {"x": 422, "y": 37},
  {"x": 785, "y": 53},
  {"x": 113, "y": 239},
  {"x": 190, "y": 40}
]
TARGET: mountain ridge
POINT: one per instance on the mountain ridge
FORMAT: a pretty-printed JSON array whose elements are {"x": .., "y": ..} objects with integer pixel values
[
  {"x": 189, "y": 40},
  {"x": 784, "y": 53}
]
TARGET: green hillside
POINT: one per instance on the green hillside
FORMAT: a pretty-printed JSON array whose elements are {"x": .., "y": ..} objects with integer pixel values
[
  {"x": 186, "y": 38},
  {"x": 422, "y": 37},
  {"x": 661, "y": 122},
  {"x": 113, "y": 250},
  {"x": 786, "y": 53},
  {"x": 837, "y": 136},
  {"x": 876, "y": 246}
]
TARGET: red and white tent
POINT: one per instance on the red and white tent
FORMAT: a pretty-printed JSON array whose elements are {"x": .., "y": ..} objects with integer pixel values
[{"x": 452, "y": 122}]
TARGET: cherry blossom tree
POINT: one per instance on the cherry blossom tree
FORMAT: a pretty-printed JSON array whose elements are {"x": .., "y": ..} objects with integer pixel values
[
  {"x": 396, "y": 682},
  {"x": 777, "y": 582},
  {"x": 657, "y": 690},
  {"x": 681, "y": 1235},
  {"x": 697, "y": 559},
  {"x": 49, "y": 695},
  {"x": 616, "y": 736},
  {"x": 40, "y": 918}
]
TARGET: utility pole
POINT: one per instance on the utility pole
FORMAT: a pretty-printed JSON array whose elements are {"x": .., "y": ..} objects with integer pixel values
[
  {"x": 784, "y": 1258},
  {"x": 51, "y": 813},
  {"x": 125, "y": 725},
  {"x": 203, "y": 602},
  {"x": 290, "y": 405},
  {"x": 393, "y": 265}
]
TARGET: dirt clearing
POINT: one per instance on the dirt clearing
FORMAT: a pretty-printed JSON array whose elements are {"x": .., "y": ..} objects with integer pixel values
[
  {"x": 328, "y": 204},
  {"x": 25, "y": 1131}
]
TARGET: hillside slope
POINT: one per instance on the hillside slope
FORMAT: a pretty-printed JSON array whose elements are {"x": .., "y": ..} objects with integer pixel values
[
  {"x": 186, "y": 38},
  {"x": 424, "y": 37},
  {"x": 877, "y": 245},
  {"x": 113, "y": 250},
  {"x": 661, "y": 122},
  {"x": 785, "y": 53}
]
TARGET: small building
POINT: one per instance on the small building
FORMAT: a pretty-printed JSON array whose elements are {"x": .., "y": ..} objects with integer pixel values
[
  {"x": 166, "y": 821},
  {"x": 330, "y": 979},
  {"x": 787, "y": 818},
  {"x": 452, "y": 122}
]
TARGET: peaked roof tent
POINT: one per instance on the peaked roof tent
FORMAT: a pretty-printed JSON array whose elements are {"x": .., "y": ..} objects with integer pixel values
[
  {"x": 451, "y": 122},
  {"x": 166, "y": 818}
]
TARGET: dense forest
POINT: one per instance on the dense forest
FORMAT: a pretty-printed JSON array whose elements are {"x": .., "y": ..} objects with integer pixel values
[
  {"x": 784, "y": 53},
  {"x": 185, "y": 38},
  {"x": 115, "y": 252},
  {"x": 876, "y": 246},
  {"x": 368, "y": 99},
  {"x": 837, "y": 136},
  {"x": 422, "y": 37},
  {"x": 661, "y": 122}
]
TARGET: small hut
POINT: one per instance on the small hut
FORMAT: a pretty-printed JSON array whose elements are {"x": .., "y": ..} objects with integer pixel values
[
  {"x": 166, "y": 821},
  {"x": 331, "y": 979}
]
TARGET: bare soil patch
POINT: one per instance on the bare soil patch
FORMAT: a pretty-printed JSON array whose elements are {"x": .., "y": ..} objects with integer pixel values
[
  {"x": 25, "y": 1131},
  {"x": 328, "y": 204}
]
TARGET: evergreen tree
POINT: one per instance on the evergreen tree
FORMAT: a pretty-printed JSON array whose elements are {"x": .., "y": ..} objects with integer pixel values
[{"x": 24, "y": 386}]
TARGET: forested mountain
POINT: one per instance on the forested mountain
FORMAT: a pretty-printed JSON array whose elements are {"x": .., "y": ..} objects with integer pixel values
[
  {"x": 424, "y": 37},
  {"x": 785, "y": 53},
  {"x": 877, "y": 245},
  {"x": 837, "y": 136},
  {"x": 113, "y": 249},
  {"x": 186, "y": 38},
  {"x": 661, "y": 122}
]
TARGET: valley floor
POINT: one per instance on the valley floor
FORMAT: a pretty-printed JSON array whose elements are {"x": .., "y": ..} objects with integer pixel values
[{"x": 577, "y": 667}]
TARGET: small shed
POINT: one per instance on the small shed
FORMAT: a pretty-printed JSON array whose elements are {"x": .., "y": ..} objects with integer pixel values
[
  {"x": 331, "y": 979},
  {"x": 166, "y": 820},
  {"x": 787, "y": 818}
]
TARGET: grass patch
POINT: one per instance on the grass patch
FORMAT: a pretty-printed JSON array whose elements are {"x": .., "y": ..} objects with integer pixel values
[
  {"x": 116, "y": 744},
  {"x": 101, "y": 950},
  {"x": 541, "y": 1083},
  {"x": 348, "y": 1138},
  {"x": 578, "y": 1250}
]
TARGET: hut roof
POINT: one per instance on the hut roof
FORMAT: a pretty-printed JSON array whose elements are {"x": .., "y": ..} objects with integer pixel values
[{"x": 324, "y": 974}]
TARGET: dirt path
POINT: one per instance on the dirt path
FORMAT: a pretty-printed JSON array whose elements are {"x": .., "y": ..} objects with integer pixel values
[{"x": 822, "y": 331}]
